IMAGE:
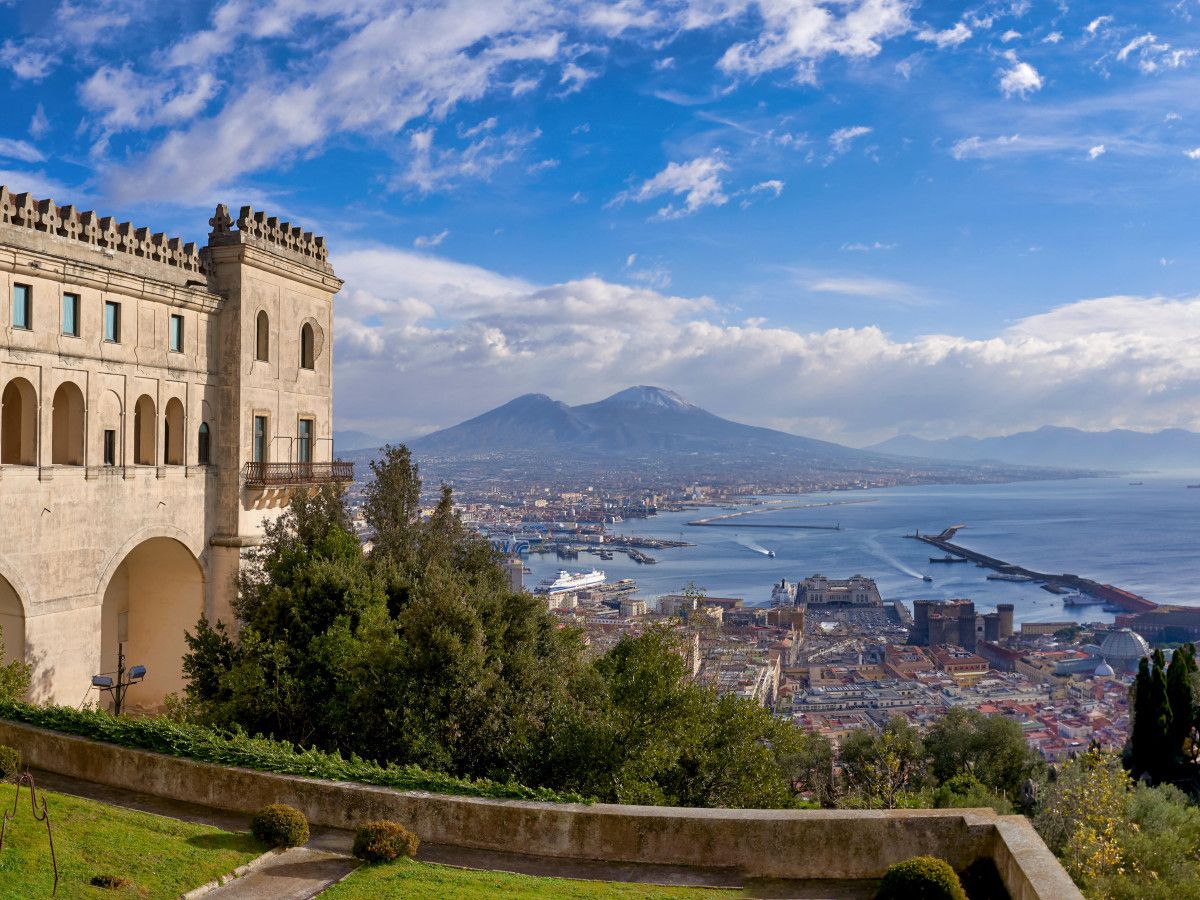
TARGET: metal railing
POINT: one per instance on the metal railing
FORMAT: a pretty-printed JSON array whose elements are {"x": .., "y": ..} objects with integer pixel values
[{"x": 292, "y": 473}]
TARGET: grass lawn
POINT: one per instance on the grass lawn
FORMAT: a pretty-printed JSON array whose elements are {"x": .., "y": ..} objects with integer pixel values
[
  {"x": 417, "y": 880},
  {"x": 161, "y": 857}
]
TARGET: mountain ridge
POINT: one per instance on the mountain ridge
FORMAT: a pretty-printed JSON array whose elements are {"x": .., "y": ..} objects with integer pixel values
[{"x": 1056, "y": 445}]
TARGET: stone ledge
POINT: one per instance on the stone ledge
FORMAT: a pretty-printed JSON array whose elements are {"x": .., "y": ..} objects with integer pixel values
[{"x": 791, "y": 844}]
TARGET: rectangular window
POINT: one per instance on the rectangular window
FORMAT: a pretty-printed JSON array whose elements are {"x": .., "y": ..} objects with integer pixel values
[
  {"x": 110, "y": 447},
  {"x": 260, "y": 439},
  {"x": 70, "y": 322},
  {"x": 176, "y": 334},
  {"x": 112, "y": 322},
  {"x": 305, "y": 443},
  {"x": 22, "y": 310}
]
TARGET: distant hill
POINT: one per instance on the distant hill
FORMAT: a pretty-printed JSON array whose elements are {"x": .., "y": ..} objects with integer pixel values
[
  {"x": 355, "y": 440},
  {"x": 651, "y": 436},
  {"x": 1051, "y": 445}
]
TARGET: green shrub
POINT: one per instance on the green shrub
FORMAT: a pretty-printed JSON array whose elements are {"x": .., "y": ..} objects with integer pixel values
[
  {"x": 280, "y": 825},
  {"x": 204, "y": 744},
  {"x": 10, "y": 762},
  {"x": 921, "y": 878},
  {"x": 383, "y": 841}
]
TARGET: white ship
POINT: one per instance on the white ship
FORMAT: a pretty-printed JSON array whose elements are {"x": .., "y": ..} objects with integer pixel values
[
  {"x": 566, "y": 582},
  {"x": 1078, "y": 599},
  {"x": 1009, "y": 576}
]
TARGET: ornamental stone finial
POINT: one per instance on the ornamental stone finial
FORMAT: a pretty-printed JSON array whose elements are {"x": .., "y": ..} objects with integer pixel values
[{"x": 221, "y": 222}]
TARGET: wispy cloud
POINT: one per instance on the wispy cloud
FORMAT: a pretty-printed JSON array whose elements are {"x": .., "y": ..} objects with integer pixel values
[
  {"x": 841, "y": 139},
  {"x": 21, "y": 151},
  {"x": 949, "y": 37},
  {"x": 431, "y": 240}
]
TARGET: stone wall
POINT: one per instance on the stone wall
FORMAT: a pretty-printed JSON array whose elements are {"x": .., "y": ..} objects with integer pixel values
[{"x": 793, "y": 844}]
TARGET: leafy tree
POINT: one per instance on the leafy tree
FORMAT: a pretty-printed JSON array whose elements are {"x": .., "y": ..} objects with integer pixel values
[
  {"x": 880, "y": 768},
  {"x": 1181, "y": 699},
  {"x": 991, "y": 748}
]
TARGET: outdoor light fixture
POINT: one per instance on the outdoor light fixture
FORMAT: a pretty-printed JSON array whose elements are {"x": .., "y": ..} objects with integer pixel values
[{"x": 124, "y": 679}]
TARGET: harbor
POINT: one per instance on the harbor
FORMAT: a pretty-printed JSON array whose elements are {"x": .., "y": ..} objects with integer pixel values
[{"x": 1056, "y": 584}]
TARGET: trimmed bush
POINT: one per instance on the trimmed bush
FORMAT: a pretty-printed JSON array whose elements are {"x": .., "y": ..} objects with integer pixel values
[
  {"x": 211, "y": 745},
  {"x": 280, "y": 825},
  {"x": 384, "y": 841},
  {"x": 10, "y": 762},
  {"x": 921, "y": 878}
]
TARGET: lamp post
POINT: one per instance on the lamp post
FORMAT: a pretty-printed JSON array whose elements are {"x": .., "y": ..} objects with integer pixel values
[{"x": 125, "y": 678}]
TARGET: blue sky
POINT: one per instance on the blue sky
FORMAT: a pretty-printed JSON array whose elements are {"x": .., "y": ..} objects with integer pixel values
[{"x": 847, "y": 218}]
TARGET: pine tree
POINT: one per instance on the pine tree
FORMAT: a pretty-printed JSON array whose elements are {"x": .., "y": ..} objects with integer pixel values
[{"x": 1162, "y": 754}]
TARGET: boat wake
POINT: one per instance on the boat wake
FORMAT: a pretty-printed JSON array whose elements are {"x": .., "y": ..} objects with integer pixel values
[
  {"x": 753, "y": 545},
  {"x": 881, "y": 554}
]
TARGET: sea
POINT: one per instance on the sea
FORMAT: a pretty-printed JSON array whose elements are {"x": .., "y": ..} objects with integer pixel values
[{"x": 1138, "y": 533}]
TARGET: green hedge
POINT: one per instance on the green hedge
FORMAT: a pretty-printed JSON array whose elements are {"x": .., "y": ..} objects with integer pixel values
[{"x": 227, "y": 749}]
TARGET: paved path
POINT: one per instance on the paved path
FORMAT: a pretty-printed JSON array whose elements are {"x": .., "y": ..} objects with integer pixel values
[{"x": 296, "y": 874}]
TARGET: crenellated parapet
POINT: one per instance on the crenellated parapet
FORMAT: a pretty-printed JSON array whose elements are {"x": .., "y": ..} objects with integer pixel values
[
  {"x": 102, "y": 232},
  {"x": 256, "y": 227}
]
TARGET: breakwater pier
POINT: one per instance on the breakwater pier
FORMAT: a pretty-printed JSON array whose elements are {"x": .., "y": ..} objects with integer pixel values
[{"x": 1115, "y": 596}]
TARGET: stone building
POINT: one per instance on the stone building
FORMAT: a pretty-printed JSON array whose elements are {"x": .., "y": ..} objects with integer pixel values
[{"x": 159, "y": 404}]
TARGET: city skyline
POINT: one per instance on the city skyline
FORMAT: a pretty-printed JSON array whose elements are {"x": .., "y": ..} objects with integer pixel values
[{"x": 844, "y": 220}]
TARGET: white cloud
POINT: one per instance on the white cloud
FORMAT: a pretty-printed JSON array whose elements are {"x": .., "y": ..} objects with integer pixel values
[
  {"x": 39, "y": 125},
  {"x": 574, "y": 77},
  {"x": 1052, "y": 38},
  {"x": 949, "y": 37},
  {"x": 798, "y": 35},
  {"x": 1009, "y": 36},
  {"x": 772, "y": 185},
  {"x": 699, "y": 182},
  {"x": 22, "y": 151},
  {"x": 841, "y": 139},
  {"x": 542, "y": 165},
  {"x": 1153, "y": 55},
  {"x": 1021, "y": 79},
  {"x": 860, "y": 247},
  {"x": 1193, "y": 153},
  {"x": 434, "y": 168},
  {"x": 976, "y": 147},
  {"x": 1097, "y": 24},
  {"x": 431, "y": 240},
  {"x": 667, "y": 62},
  {"x": 123, "y": 99},
  {"x": 1096, "y": 151},
  {"x": 460, "y": 339}
]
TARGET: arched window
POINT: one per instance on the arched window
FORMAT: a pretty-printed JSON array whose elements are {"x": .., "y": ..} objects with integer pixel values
[
  {"x": 307, "y": 356},
  {"x": 203, "y": 448},
  {"x": 18, "y": 424},
  {"x": 66, "y": 443},
  {"x": 143, "y": 431},
  {"x": 173, "y": 433},
  {"x": 262, "y": 337}
]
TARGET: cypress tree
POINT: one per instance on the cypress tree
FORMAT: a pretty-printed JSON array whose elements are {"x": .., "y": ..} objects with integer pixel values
[
  {"x": 1162, "y": 754},
  {"x": 1141, "y": 732},
  {"x": 1179, "y": 697}
]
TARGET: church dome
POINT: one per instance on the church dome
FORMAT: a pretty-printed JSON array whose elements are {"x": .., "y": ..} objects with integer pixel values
[
  {"x": 1104, "y": 670},
  {"x": 1124, "y": 645}
]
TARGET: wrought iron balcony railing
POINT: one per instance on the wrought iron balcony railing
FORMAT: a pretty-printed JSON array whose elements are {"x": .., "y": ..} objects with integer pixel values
[{"x": 258, "y": 474}]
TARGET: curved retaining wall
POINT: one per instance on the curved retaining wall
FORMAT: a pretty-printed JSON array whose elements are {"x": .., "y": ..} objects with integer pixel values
[{"x": 793, "y": 844}]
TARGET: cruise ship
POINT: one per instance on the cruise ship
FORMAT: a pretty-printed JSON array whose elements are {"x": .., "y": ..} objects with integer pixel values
[{"x": 565, "y": 582}]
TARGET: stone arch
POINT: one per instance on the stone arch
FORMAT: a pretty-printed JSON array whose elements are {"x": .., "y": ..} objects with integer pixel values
[
  {"x": 308, "y": 356},
  {"x": 174, "y": 438},
  {"x": 262, "y": 336},
  {"x": 12, "y": 621},
  {"x": 67, "y": 426},
  {"x": 153, "y": 592},
  {"x": 144, "y": 431},
  {"x": 18, "y": 423}
]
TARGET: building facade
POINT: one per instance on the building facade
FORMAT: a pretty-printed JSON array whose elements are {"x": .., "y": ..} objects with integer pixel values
[{"x": 159, "y": 404}]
